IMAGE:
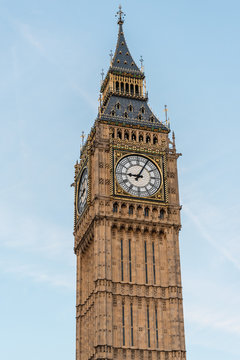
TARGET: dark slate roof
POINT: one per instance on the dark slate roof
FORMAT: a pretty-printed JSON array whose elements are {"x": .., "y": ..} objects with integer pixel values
[
  {"x": 133, "y": 108},
  {"x": 122, "y": 60}
]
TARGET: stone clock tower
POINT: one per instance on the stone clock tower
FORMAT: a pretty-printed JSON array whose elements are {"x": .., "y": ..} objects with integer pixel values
[{"x": 127, "y": 223}]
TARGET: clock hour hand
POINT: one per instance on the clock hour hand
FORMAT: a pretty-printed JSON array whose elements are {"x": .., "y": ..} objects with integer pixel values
[{"x": 135, "y": 175}]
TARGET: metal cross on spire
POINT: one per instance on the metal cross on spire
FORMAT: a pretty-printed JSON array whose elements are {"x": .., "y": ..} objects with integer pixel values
[{"x": 121, "y": 15}]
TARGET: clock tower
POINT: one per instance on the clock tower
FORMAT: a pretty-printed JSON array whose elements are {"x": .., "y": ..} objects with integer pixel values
[{"x": 126, "y": 226}]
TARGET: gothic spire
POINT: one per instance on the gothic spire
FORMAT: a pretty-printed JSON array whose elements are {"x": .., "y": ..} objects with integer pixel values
[{"x": 122, "y": 60}]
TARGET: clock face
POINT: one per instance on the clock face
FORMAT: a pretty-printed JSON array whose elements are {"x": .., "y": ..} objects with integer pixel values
[
  {"x": 138, "y": 175},
  {"x": 82, "y": 191}
]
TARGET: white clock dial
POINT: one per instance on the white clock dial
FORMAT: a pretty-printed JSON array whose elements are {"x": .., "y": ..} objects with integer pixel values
[
  {"x": 82, "y": 191},
  {"x": 138, "y": 175}
]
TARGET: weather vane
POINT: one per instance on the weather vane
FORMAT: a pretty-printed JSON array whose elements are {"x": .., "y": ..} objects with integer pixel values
[{"x": 120, "y": 14}]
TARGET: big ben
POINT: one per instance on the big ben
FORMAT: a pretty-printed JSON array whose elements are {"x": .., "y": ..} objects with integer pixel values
[{"x": 126, "y": 226}]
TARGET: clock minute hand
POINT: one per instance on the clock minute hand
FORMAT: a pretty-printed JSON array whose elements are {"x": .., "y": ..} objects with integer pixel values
[{"x": 139, "y": 175}]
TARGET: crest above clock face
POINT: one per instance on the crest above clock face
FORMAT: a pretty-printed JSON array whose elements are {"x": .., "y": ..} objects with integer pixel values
[{"x": 139, "y": 175}]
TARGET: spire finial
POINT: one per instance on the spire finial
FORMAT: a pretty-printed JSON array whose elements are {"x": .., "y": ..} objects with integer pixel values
[
  {"x": 166, "y": 113},
  {"x": 141, "y": 61},
  {"x": 120, "y": 14}
]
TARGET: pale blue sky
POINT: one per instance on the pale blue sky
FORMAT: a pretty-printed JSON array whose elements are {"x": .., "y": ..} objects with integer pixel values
[{"x": 51, "y": 56}]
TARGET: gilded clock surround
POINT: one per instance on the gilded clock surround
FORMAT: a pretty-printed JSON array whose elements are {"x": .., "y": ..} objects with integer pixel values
[{"x": 158, "y": 160}]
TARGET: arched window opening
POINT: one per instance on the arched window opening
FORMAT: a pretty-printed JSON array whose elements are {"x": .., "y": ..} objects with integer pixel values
[
  {"x": 136, "y": 89},
  {"x": 126, "y": 135},
  {"x": 113, "y": 135},
  {"x": 117, "y": 86},
  {"x": 132, "y": 89},
  {"x": 118, "y": 106},
  {"x": 125, "y": 114},
  {"x": 134, "y": 138},
  {"x": 113, "y": 113},
  {"x": 140, "y": 117},
  {"x": 146, "y": 212},
  {"x": 152, "y": 119},
  {"x": 122, "y": 87},
  {"x": 140, "y": 138},
  {"x": 148, "y": 139},
  {"x": 162, "y": 213},
  {"x": 143, "y": 110},
  {"x": 119, "y": 134},
  {"x": 130, "y": 108},
  {"x": 127, "y": 88},
  {"x": 115, "y": 207},
  {"x": 155, "y": 140},
  {"x": 130, "y": 210}
]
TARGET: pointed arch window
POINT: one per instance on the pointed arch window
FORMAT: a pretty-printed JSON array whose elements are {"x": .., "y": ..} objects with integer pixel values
[
  {"x": 127, "y": 87},
  {"x": 155, "y": 140},
  {"x": 118, "y": 106},
  {"x": 134, "y": 138},
  {"x": 140, "y": 138},
  {"x": 115, "y": 207},
  {"x": 126, "y": 135},
  {"x": 126, "y": 114},
  {"x": 119, "y": 134},
  {"x": 130, "y": 108},
  {"x": 148, "y": 139},
  {"x": 136, "y": 89},
  {"x": 140, "y": 117}
]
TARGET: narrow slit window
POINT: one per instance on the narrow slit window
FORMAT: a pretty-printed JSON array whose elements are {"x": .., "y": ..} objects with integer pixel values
[
  {"x": 148, "y": 327},
  {"x": 156, "y": 320},
  {"x": 123, "y": 324},
  {"x": 121, "y": 260},
  {"x": 131, "y": 311},
  {"x": 154, "y": 266},
  {"x": 146, "y": 269},
  {"x": 130, "y": 260}
]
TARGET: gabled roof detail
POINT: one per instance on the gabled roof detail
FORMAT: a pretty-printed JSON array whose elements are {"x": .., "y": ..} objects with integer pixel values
[{"x": 122, "y": 60}]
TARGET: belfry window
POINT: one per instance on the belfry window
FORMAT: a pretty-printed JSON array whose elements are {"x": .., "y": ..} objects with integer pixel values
[
  {"x": 127, "y": 87},
  {"x": 117, "y": 86},
  {"x": 132, "y": 89},
  {"x": 122, "y": 87},
  {"x": 136, "y": 89}
]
